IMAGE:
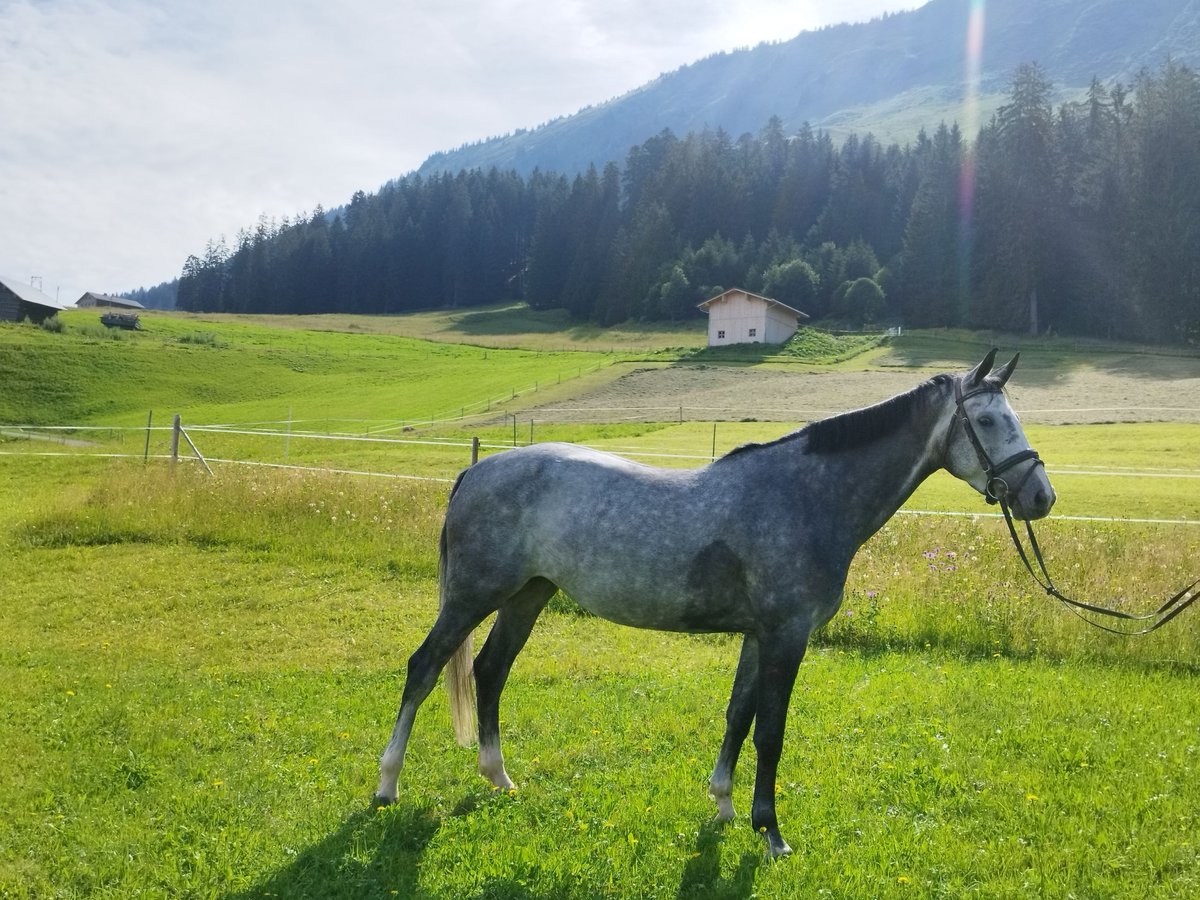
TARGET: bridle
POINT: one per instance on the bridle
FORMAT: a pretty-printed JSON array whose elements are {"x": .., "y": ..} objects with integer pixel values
[{"x": 997, "y": 490}]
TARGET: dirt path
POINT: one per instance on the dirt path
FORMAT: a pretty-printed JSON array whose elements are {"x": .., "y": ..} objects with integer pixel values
[{"x": 1082, "y": 395}]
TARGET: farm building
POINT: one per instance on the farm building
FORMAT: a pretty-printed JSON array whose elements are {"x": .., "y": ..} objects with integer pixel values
[
  {"x": 92, "y": 299},
  {"x": 21, "y": 301},
  {"x": 740, "y": 317}
]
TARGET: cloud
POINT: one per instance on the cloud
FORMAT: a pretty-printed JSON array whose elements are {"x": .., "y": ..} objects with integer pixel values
[{"x": 136, "y": 130}]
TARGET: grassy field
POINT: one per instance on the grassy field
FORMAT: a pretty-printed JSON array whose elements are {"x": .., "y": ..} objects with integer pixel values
[
  {"x": 245, "y": 372},
  {"x": 199, "y": 674}
]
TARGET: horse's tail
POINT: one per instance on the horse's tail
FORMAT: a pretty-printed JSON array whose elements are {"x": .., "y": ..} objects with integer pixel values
[{"x": 460, "y": 677}]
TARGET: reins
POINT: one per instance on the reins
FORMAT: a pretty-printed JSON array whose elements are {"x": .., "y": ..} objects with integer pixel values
[{"x": 997, "y": 490}]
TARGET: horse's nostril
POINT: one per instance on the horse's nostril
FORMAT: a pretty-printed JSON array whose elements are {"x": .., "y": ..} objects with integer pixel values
[{"x": 1041, "y": 499}]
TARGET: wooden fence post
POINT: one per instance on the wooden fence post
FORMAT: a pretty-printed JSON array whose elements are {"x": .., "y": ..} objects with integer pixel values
[
  {"x": 149, "y": 420},
  {"x": 474, "y": 449},
  {"x": 175, "y": 427}
]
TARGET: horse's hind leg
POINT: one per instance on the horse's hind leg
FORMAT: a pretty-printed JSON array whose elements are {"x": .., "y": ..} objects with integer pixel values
[
  {"x": 738, "y": 717},
  {"x": 514, "y": 622},
  {"x": 449, "y": 631}
]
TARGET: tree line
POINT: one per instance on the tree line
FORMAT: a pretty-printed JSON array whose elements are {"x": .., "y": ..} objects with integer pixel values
[{"x": 1082, "y": 219}]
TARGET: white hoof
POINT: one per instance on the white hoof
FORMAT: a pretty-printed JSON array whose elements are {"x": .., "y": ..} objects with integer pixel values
[{"x": 725, "y": 811}]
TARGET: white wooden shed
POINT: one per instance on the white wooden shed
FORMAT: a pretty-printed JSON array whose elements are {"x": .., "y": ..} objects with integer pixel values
[{"x": 740, "y": 317}]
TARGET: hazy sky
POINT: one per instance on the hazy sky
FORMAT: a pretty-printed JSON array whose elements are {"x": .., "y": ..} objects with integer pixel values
[{"x": 135, "y": 130}]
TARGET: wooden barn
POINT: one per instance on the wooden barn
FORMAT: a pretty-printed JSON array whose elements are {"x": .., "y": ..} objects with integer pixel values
[
  {"x": 740, "y": 317},
  {"x": 21, "y": 301},
  {"x": 91, "y": 300}
]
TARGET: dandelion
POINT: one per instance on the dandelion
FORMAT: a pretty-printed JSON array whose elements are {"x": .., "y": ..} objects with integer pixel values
[
  {"x": 344, "y": 735},
  {"x": 903, "y": 879},
  {"x": 70, "y": 693},
  {"x": 1032, "y": 798}
]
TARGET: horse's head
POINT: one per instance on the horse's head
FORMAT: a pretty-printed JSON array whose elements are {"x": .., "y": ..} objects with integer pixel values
[{"x": 987, "y": 447}]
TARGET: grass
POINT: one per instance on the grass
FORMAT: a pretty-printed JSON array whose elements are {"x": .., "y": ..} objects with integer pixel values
[
  {"x": 234, "y": 372},
  {"x": 198, "y": 674},
  {"x": 504, "y": 325}
]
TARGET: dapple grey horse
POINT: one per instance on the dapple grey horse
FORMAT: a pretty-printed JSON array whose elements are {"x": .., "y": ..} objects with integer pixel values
[{"x": 758, "y": 543}]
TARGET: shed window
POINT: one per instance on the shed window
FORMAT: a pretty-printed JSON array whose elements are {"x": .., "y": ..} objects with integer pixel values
[
  {"x": 720, "y": 335},
  {"x": 753, "y": 332}
]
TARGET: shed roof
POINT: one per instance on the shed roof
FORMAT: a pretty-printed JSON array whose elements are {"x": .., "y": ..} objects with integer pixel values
[
  {"x": 111, "y": 300},
  {"x": 767, "y": 300},
  {"x": 30, "y": 294}
]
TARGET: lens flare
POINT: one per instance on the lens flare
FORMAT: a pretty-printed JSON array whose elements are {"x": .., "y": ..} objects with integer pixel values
[
  {"x": 974, "y": 64},
  {"x": 970, "y": 131}
]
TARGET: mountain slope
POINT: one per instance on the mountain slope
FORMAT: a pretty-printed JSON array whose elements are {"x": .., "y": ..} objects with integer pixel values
[{"x": 890, "y": 76}]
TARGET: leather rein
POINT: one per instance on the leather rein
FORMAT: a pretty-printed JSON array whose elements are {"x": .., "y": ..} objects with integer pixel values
[{"x": 997, "y": 490}]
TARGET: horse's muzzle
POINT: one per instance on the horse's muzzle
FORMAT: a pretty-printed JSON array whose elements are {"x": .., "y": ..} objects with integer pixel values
[{"x": 1035, "y": 497}]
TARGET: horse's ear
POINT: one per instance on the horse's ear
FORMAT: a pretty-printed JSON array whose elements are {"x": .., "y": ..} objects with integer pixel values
[
  {"x": 975, "y": 377},
  {"x": 1002, "y": 374}
]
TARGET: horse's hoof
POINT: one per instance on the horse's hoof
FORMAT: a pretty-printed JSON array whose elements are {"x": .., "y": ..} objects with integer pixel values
[
  {"x": 379, "y": 801},
  {"x": 777, "y": 848},
  {"x": 725, "y": 813}
]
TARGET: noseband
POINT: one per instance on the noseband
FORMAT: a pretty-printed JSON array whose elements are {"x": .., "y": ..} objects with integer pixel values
[{"x": 996, "y": 489}]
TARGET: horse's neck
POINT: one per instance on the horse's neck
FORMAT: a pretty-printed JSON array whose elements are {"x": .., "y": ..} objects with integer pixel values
[{"x": 870, "y": 483}]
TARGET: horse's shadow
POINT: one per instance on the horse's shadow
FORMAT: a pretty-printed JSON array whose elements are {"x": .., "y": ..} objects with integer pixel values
[
  {"x": 378, "y": 853},
  {"x": 374, "y": 853},
  {"x": 702, "y": 875}
]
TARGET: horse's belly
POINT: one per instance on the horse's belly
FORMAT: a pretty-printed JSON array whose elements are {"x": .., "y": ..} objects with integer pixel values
[{"x": 707, "y": 593}]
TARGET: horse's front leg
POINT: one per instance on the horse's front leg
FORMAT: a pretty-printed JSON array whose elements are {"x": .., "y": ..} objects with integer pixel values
[
  {"x": 738, "y": 717},
  {"x": 779, "y": 656}
]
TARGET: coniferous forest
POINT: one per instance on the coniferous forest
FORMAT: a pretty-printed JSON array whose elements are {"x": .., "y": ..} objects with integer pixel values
[{"x": 1082, "y": 219}]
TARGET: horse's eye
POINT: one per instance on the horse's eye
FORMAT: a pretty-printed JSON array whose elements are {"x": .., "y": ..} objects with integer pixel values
[{"x": 986, "y": 421}]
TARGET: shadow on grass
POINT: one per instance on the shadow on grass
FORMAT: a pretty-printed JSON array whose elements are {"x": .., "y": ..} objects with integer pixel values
[
  {"x": 702, "y": 875},
  {"x": 374, "y": 853}
]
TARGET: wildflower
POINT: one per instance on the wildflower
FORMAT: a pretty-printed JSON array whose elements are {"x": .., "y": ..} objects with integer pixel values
[
  {"x": 903, "y": 879},
  {"x": 1032, "y": 798},
  {"x": 70, "y": 693},
  {"x": 344, "y": 735},
  {"x": 871, "y": 595}
]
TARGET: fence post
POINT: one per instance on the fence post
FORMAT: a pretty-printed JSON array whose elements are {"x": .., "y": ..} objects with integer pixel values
[
  {"x": 714, "y": 446},
  {"x": 199, "y": 455},
  {"x": 474, "y": 449},
  {"x": 175, "y": 427},
  {"x": 149, "y": 420}
]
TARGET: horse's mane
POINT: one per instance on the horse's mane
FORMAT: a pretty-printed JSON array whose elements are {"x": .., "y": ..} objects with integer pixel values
[{"x": 857, "y": 427}]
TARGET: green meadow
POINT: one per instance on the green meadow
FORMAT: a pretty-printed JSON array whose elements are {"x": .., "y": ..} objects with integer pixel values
[{"x": 199, "y": 673}]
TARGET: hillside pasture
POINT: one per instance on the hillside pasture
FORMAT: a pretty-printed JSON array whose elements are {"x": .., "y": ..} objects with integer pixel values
[{"x": 199, "y": 673}]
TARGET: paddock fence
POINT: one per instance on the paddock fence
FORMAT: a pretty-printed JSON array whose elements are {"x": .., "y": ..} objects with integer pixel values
[{"x": 373, "y": 450}]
